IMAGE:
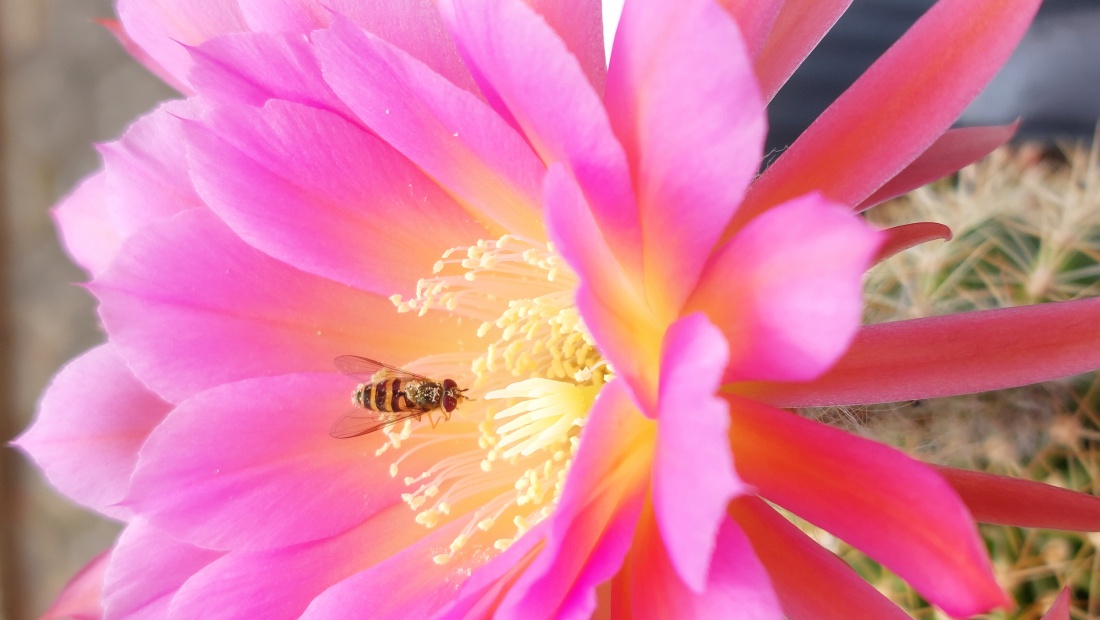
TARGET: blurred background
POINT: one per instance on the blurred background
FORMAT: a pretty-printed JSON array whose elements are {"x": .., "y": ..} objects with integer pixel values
[{"x": 66, "y": 84}]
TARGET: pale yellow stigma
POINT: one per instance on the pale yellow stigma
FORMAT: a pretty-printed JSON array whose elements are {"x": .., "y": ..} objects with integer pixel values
[
  {"x": 531, "y": 389},
  {"x": 544, "y": 416}
]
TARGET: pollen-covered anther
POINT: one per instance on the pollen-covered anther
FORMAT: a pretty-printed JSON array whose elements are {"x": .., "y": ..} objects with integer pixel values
[
  {"x": 428, "y": 518},
  {"x": 521, "y": 525},
  {"x": 459, "y": 542}
]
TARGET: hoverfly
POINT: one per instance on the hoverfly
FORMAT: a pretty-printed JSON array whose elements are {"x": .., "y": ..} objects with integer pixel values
[{"x": 387, "y": 395}]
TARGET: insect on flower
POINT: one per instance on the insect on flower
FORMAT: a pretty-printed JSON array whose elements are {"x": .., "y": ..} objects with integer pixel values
[{"x": 387, "y": 395}]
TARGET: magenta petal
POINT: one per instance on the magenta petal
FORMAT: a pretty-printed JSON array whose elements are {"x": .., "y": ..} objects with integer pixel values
[
  {"x": 415, "y": 27},
  {"x": 254, "y": 67},
  {"x": 314, "y": 191},
  {"x": 1023, "y": 503},
  {"x": 693, "y": 479},
  {"x": 558, "y": 110},
  {"x": 1060, "y": 609},
  {"x": 256, "y": 316},
  {"x": 450, "y": 134},
  {"x": 133, "y": 49},
  {"x": 898, "y": 108},
  {"x": 812, "y": 583},
  {"x": 91, "y": 422},
  {"x": 795, "y": 32},
  {"x": 579, "y": 23},
  {"x": 901, "y": 238},
  {"x": 407, "y": 585},
  {"x": 956, "y": 354},
  {"x": 82, "y": 597},
  {"x": 593, "y": 524},
  {"x": 573, "y": 229},
  {"x": 737, "y": 581},
  {"x": 281, "y": 583},
  {"x": 146, "y": 170},
  {"x": 147, "y": 568},
  {"x": 755, "y": 19},
  {"x": 952, "y": 151},
  {"x": 692, "y": 156},
  {"x": 786, "y": 290},
  {"x": 291, "y": 16},
  {"x": 163, "y": 29},
  {"x": 483, "y": 591},
  {"x": 86, "y": 230},
  {"x": 250, "y": 465},
  {"x": 611, "y": 308},
  {"x": 898, "y": 511}
]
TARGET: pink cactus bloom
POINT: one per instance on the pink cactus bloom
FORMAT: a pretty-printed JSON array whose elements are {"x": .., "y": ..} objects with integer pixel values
[{"x": 466, "y": 189}]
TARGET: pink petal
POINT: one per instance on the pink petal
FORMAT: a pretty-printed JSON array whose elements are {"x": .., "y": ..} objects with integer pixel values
[
  {"x": 281, "y": 583},
  {"x": 951, "y": 151},
  {"x": 737, "y": 580},
  {"x": 146, "y": 170},
  {"x": 693, "y": 479},
  {"x": 901, "y": 238},
  {"x": 812, "y": 583},
  {"x": 1023, "y": 503},
  {"x": 482, "y": 593},
  {"x": 796, "y": 31},
  {"x": 956, "y": 354},
  {"x": 133, "y": 49},
  {"x": 91, "y": 422},
  {"x": 755, "y": 19},
  {"x": 147, "y": 569},
  {"x": 579, "y": 23},
  {"x": 162, "y": 28},
  {"x": 593, "y": 524},
  {"x": 87, "y": 233},
  {"x": 415, "y": 27},
  {"x": 1060, "y": 609},
  {"x": 546, "y": 91},
  {"x": 190, "y": 306},
  {"x": 898, "y": 108},
  {"x": 898, "y": 511},
  {"x": 612, "y": 309},
  {"x": 576, "y": 235},
  {"x": 292, "y": 16},
  {"x": 314, "y": 191},
  {"x": 786, "y": 290},
  {"x": 407, "y": 585},
  {"x": 691, "y": 155},
  {"x": 82, "y": 597},
  {"x": 451, "y": 135},
  {"x": 250, "y": 465},
  {"x": 254, "y": 67}
]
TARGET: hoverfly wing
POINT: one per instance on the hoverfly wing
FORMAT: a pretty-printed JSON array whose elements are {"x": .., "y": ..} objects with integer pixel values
[
  {"x": 369, "y": 371},
  {"x": 358, "y": 422}
]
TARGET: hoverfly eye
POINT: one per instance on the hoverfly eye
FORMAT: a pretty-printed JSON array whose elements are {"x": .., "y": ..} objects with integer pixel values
[{"x": 450, "y": 395}]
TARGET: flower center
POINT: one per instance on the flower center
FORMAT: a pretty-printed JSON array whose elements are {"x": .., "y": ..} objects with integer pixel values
[{"x": 531, "y": 390}]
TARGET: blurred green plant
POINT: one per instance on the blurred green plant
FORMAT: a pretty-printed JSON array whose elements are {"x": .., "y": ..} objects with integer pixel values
[{"x": 1026, "y": 224}]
